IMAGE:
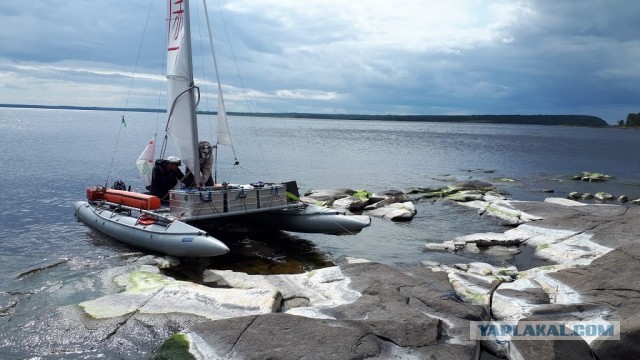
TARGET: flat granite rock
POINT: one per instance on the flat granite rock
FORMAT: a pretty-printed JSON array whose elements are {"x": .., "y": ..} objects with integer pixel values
[
  {"x": 610, "y": 281},
  {"x": 283, "y": 336},
  {"x": 400, "y": 314}
]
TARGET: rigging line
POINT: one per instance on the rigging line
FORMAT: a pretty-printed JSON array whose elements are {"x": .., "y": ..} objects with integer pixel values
[
  {"x": 215, "y": 64},
  {"x": 244, "y": 93},
  {"x": 126, "y": 106},
  {"x": 135, "y": 68},
  {"x": 255, "y": 175},
  {"x": 170, "y": 114}
]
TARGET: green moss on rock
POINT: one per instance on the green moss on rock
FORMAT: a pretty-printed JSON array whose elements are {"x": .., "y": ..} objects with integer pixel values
[
  {"x": 174, "y": 348},
  {"x": 362, "y": 194},
  {"x": 143, "y": 281}
]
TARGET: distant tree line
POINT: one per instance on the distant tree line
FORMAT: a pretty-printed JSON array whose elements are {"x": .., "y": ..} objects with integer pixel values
[
  {"x": 633, "y": 120},
  {"x": 568, "y": 120}
]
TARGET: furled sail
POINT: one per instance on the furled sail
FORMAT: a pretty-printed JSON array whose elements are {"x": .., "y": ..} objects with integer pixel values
[
  {"x": 181, "y": 125},
  {"x": 145, "y": 162}
]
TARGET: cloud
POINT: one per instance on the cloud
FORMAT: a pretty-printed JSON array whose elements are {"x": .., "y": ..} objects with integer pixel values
[{"x": 411, "y": 56}]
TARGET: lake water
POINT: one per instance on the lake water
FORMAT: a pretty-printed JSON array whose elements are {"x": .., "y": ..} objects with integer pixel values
[{"x": 50, "y": 157}]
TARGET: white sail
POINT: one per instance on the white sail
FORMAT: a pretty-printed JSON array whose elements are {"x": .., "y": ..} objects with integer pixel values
[
  {"x": 182, "y": 125},
  {"x": 223, "y": 138},
  {"x": 145, "y": 162}
]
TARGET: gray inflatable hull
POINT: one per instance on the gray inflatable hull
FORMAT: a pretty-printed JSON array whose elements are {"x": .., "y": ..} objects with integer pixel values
[
  {"x": 175, "y": 238},
  {"x": 314, "y": 219}
]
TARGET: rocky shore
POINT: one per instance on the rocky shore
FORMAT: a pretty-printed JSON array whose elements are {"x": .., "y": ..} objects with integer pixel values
[
  {"x": 359, "y": 309},
  {"x": 366, "y": 310}
]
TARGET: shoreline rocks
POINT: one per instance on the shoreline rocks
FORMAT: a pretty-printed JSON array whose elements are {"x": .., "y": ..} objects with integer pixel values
[
  {"x": 584, "y": 241},
  {"x": 391, "y": 205},
  {"x": 397, "y": 314},
  {"x": 359, "y": 309},
  {"x": 591, "y": 176}
]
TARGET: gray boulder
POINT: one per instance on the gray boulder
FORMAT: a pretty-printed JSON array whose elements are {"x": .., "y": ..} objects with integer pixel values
[{"x": 395, "y": 212}]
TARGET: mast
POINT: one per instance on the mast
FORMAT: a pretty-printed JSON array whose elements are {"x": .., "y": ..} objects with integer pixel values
[
  {"x": 193, "y": 115},
  {"x": 182, "y": 123}
]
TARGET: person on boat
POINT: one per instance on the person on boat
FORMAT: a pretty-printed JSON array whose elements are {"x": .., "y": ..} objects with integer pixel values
[
  {"x": 166, "y": 174},
  {"x": 206, "y": 166}
]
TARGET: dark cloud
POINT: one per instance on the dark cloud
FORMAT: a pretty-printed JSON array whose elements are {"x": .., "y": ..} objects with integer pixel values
[{"x": 546, "y": 56}]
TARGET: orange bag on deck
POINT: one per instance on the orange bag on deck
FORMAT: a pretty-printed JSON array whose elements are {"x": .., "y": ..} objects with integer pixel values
[{"x": 133, "y": 199}]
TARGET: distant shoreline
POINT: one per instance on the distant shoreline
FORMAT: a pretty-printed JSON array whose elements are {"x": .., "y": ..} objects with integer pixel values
[{"x": 567, "y": 120}]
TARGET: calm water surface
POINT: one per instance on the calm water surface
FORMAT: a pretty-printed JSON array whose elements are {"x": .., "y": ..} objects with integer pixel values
[{"x": 52, "y": 156}]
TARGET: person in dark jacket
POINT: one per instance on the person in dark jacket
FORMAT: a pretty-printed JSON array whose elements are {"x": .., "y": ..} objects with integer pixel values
[{"x": 165, "y": 175}]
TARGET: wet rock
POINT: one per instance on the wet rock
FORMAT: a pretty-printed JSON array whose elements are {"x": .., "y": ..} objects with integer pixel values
[
  {"x": 463, "y": 267},
  {"x": 565, "y": 202},
  {"x": 502, "y": 209},
  {"x": 504, "y": 253},
  {"x": 574, "y": 195},
  {"x": 603, "y": 196},
  {"x": 348, "y": 204},
  {"x": 472, "y": 288},
  {"x": 430, "y": 264},
  {"x": 327, "y": 195},
  {"x": 396, "y": 195},
  {"x": 395, "y": 212},
  {"x": 591, "y": 176},
  {"x": 493, "y": 196},
  {"x": 392, "y": 205},
  {"x": 443, "y": 246},
  {"x": 421, "y": 190},
  {"x": 473, "y": 185},
  {"x": 386, "y": 198},
  {"x": 466, "y": 195},
  {"x": 493, "y": 239},
  {"x": 377, "y": 203}
]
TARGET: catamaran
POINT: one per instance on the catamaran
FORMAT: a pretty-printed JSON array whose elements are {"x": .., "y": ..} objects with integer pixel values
[{"x": 141, "y": 220}]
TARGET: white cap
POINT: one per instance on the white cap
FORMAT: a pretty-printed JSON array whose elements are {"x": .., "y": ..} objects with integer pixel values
[{"x": 174, "y": 159}]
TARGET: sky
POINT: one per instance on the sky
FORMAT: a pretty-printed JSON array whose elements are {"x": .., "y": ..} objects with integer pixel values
[{"x": 333, "y": 56}]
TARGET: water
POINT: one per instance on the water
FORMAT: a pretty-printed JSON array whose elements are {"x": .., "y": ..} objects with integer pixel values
[{"x": 50, "y": 157}]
